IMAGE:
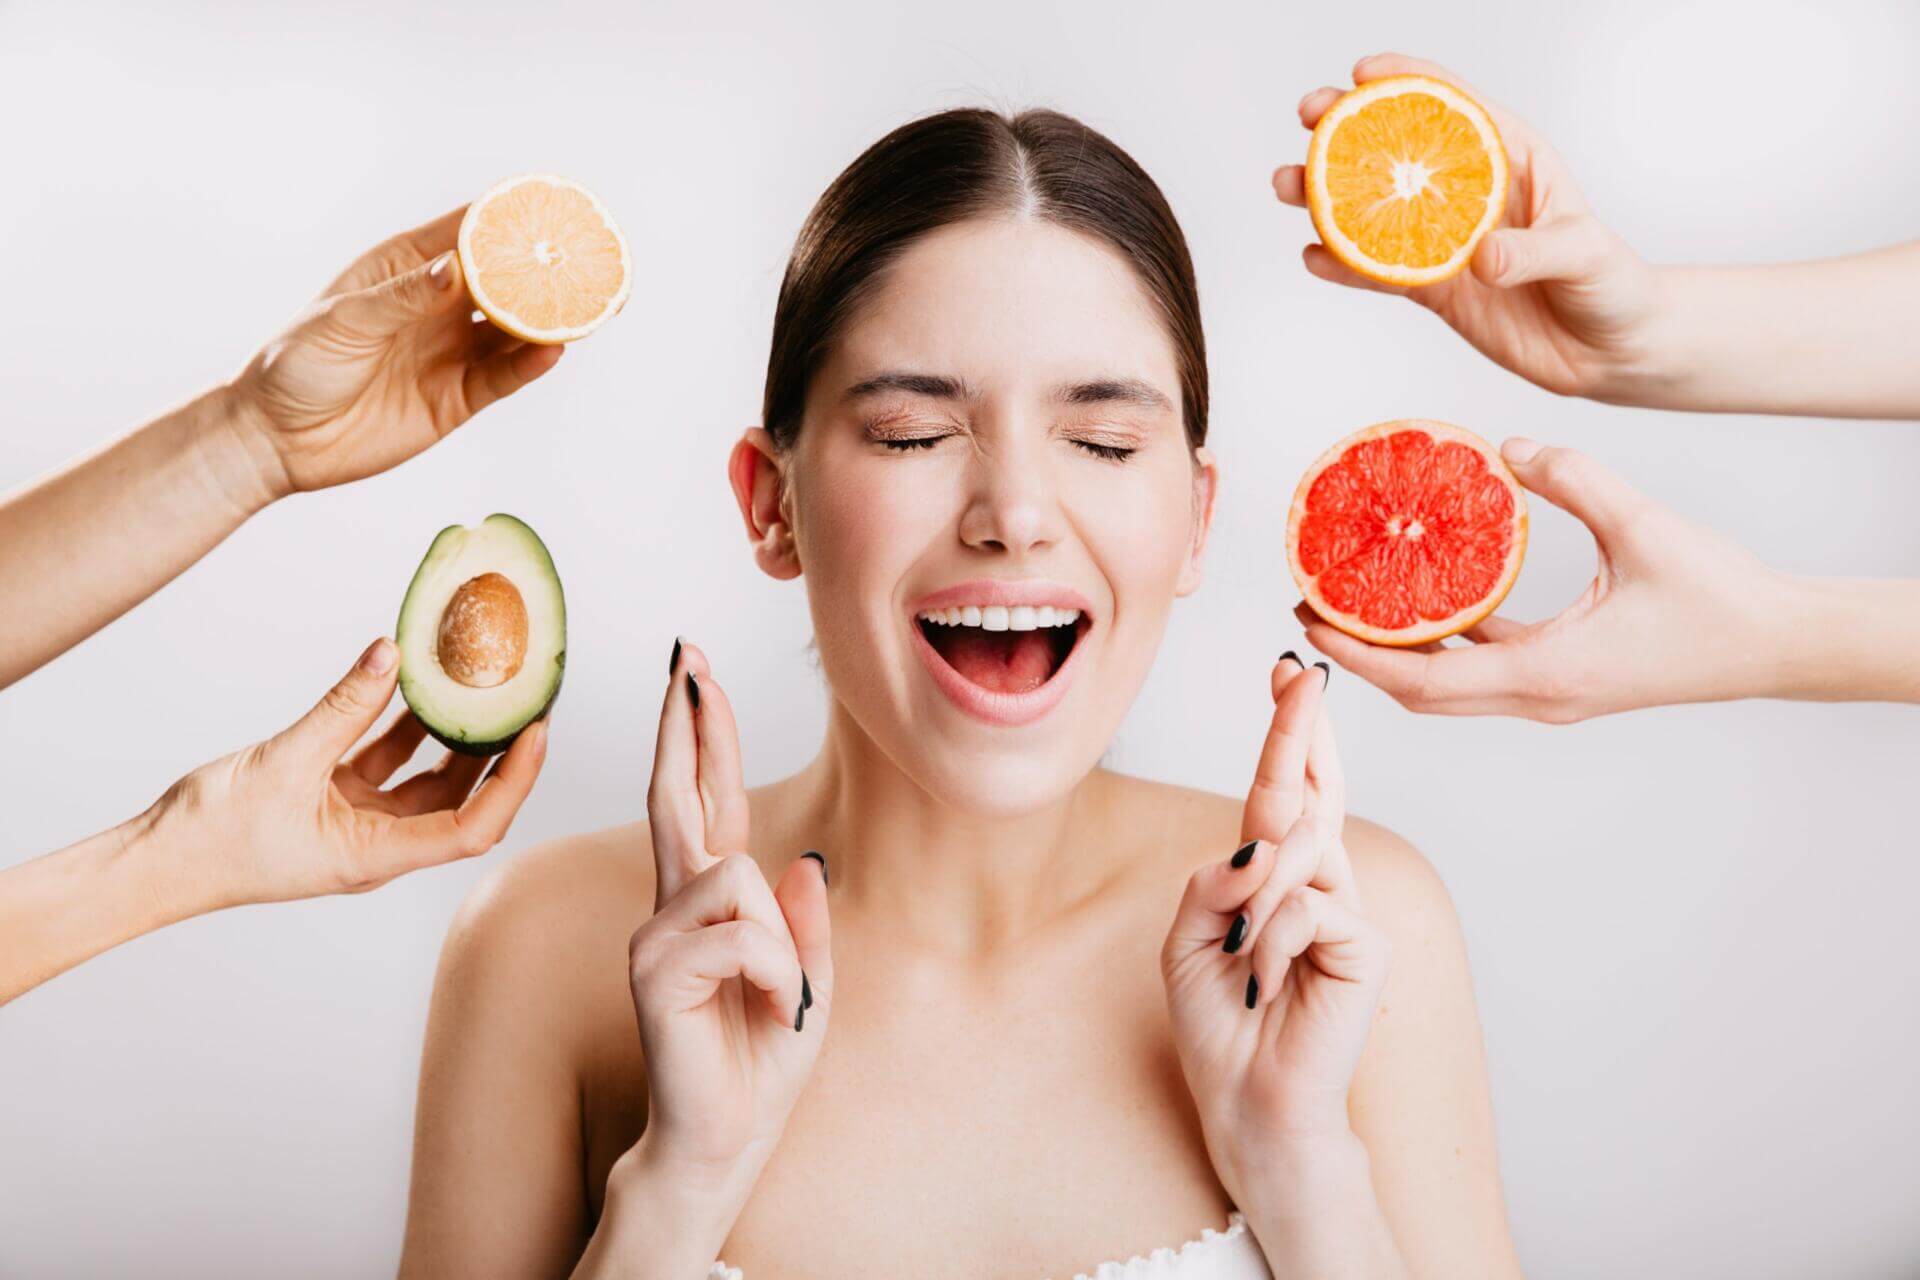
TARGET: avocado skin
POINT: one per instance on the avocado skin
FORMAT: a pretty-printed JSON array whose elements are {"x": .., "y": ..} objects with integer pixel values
[{"x": 495, "y": 747}]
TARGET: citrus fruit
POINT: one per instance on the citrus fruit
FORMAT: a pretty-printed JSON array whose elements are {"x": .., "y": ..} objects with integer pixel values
[
  {"x": 543, "y": 259},
  {"x": 1404, "y": 175},
  {"x": 1407, "y": 532}
]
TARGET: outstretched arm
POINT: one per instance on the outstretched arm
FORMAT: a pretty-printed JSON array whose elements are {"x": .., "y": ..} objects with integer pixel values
[
  {"x": 382, "y": 365},
  {"x": 1557, "y": 297}
]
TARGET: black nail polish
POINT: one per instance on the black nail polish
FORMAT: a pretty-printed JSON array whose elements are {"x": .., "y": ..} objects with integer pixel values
[
  {"x": 820, "y": 858},
  {"x": 693, "y": 690},
  {"x": 1236, "y": 935},
  {"x": 806, "y": 992},
  {"x": 673, "y": 663},
  {"x": 1253, "y": 989},
  {"x": 1244, "y": 854},
  {"x": 1326, "y": 673},
  {"x": 1294, "y": 658},
  {"x": 799, "y": 1015}
]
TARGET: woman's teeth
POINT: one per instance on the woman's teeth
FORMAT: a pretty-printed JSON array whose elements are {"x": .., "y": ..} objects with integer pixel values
[{"x": 1000, "y": 617}]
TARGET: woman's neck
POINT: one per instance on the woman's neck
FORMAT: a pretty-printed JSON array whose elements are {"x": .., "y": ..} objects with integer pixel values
[{"x": 959, "y": 880}]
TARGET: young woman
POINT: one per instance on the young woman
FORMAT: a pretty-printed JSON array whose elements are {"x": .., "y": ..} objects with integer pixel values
[{"x": 1065, "y": 1016}]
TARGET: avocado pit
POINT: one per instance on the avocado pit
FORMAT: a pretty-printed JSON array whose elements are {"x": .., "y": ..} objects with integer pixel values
[{"x": 482, "y": 640}]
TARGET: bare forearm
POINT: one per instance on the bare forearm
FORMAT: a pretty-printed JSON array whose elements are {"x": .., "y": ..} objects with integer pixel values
[
  {"x": 1315, "y": 1213},
  {"x": 82, "y": 545},
  {"x": 1851, "y": 640},
  {"x": 63, "y": 908},
  {"x": 1834, "y": 338}
]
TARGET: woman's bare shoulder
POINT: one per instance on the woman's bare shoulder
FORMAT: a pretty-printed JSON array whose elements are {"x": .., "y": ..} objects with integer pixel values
[
  {"x": 549, "y": 922},
  {"x": 1400, "y": 886}
]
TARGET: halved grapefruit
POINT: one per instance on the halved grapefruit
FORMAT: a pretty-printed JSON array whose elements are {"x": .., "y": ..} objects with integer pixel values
[{"x": 1407, "y": 532}]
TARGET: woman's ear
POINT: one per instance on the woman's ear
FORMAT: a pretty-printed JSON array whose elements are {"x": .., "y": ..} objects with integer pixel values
[
  {"x": 1206, "y": 487},
  {"x": 753, "y": 469}
]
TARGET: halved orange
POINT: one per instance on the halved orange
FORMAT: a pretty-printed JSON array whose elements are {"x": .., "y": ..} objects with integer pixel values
[
  {"x": 543, "y": 259},
  {"x": 1404, "y": 175},
  {"x": 1407, "y": 532}
]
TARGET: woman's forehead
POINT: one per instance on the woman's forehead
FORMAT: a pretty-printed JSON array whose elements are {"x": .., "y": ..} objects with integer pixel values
[{"x": 1008, "y": 301}]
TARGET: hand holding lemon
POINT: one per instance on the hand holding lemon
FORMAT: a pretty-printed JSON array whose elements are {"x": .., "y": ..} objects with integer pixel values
[{"x": 390, "y": 358}]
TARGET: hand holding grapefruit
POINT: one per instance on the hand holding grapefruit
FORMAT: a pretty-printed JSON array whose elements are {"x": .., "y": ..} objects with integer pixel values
[{"x": 1407, "y": 532}]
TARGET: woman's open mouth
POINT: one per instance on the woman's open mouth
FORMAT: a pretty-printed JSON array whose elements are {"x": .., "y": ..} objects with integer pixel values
[{"x": 1000, "y": 650}]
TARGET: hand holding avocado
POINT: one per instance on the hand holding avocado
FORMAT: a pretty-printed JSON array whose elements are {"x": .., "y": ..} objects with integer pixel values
[{"x": 285, "y": 818}]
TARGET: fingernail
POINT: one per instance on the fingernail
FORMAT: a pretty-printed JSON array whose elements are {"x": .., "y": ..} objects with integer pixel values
[
  {"x": 441, "y": 272},
  {"x": 1326, "y": 673},
  {"x": 1236, "y": 935},
  {"x": 806, "y": 992},
  {"x": 673, "y": 662},
  {"x": 820, "y": 858},
  {"x": 1294, "y": 658},
  {"x": 1244, "y": 854},
  {"x": 378, "y": 659},
  {"x": 1253, "y": 989},
  {"x": 800, "y": 1015},
  {"x": 1520, "y": 450},
  {"x": 693, "y": 690}
]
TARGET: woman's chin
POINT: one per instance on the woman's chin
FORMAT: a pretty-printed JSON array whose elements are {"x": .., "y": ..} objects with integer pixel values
[{"x": 1003, "y": 784}]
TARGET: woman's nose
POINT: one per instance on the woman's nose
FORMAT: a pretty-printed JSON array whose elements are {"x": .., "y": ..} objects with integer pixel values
[{"x": 1011, "y": 506}]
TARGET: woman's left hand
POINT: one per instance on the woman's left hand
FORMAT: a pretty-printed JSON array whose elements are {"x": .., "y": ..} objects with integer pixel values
[
  {"x": 382, "y": 365},
  {"x": 1272, "y": 973}
]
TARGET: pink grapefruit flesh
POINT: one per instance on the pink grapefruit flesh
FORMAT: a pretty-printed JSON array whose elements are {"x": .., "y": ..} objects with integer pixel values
[{"x": 1407, "y": 532}]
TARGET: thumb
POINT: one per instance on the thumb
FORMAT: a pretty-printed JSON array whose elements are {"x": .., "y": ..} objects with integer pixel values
[
  {"x": 390, "y": 306},
  {"x": 348, "y": 709},
  {"x": 1578, "y": 485},
  {"x": 1570, "y": 250}
]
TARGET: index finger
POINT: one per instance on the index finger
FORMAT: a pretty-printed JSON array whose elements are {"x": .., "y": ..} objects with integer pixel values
[
  {"x": 399, "y": 253},
  {"x": 1484, "y": 679}
]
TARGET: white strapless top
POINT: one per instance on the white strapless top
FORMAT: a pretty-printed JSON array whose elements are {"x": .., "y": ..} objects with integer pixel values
[{"x": 1216, "y": 1255}]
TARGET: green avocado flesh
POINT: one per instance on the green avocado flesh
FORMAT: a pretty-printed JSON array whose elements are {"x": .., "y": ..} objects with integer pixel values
[{"x": 482, "y": 721}]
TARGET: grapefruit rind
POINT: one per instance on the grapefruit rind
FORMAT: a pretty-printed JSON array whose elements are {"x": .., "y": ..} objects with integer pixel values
[
  {"x": 503, "y": 317},
  {"x": 1425, "y": 631},
  {"x": 1320, "y": 205}
]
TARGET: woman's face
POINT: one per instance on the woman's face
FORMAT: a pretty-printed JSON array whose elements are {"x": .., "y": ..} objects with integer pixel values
[{"x": 994, "y": 504}]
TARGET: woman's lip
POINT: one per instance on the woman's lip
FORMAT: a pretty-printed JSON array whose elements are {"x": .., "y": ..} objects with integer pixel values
[
  {"x": 1003, "y": 591},
  {"x": 1005, "y": 709}
]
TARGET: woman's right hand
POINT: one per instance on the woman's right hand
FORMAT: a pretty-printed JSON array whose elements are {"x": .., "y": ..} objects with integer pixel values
[
  {"x": 732, "y": 979},
  {"x": 1552, "y": 295}
]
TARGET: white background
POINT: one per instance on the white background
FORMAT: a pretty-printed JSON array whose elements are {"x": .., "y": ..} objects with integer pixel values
[{"x": 1690, "y": 928}]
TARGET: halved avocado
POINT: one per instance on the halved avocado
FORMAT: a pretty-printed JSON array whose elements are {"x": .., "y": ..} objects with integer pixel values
[{"x": 482, "y": 635}]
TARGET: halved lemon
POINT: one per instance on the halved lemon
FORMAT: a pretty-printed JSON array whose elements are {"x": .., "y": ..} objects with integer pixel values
[
  {"x": 1404, "y": 175},
  {"x": 543, "y": 259}
]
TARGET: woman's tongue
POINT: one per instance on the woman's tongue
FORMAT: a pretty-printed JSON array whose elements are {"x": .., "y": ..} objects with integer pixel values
[{"x": 1001, "y": 661}]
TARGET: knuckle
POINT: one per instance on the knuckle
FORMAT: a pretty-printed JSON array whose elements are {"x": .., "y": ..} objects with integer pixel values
[{"x": 738, "y": 871}]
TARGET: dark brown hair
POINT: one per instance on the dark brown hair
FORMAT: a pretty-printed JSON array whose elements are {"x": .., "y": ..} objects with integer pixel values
[{"x": 955, "y": 165}]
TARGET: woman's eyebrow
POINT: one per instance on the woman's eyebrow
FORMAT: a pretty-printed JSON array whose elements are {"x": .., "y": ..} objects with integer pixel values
[
  {"x": 935, "y": 385},
  {"x": 1114, "y": 391}
]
